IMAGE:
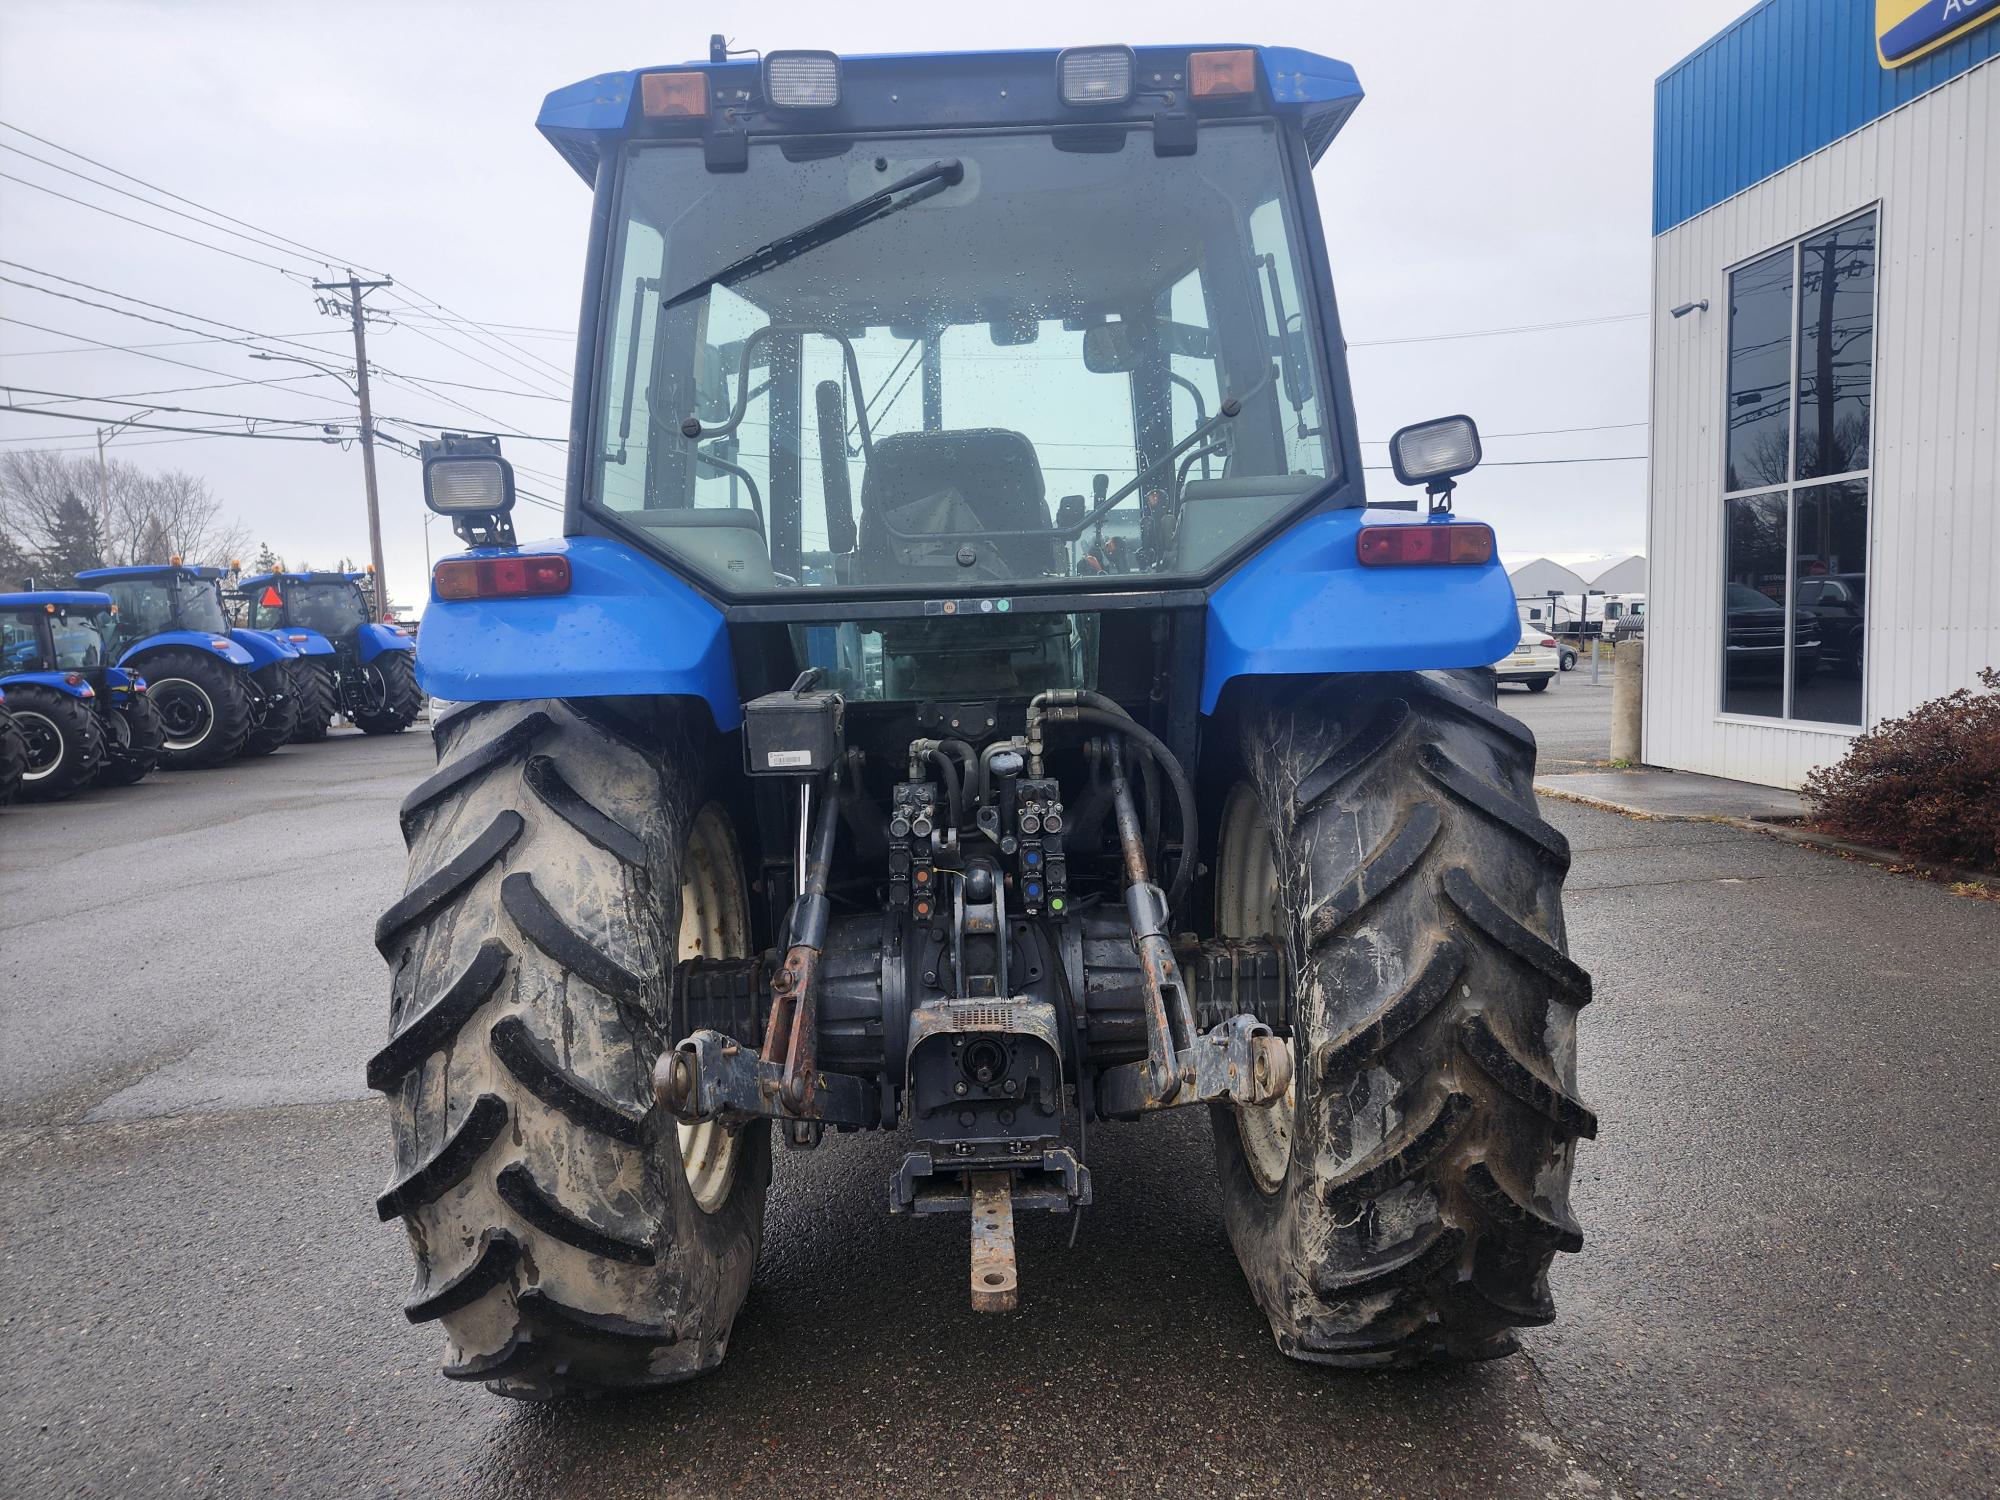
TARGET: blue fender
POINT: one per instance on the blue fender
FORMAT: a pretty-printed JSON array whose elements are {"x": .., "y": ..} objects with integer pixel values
[
  {"x": 216, "y": 645},
  {"x": 1305, "y": 606},
  {"x": 370, "y": 641},
  {"x": 305, "y": 642},
  {"x": 60, "y": 681},
  {"x": 121, "y": 682},
  {"x": 626, "y": 627},
  {"x": 264, "y": 647}
]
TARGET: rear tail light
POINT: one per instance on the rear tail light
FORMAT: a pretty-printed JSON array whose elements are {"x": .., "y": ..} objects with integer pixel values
[
  {"x": 666, "y": 96},
  {"x": 1549, "y": 642},
  {"x": 500, "y": 577},
  {"x": 1222, "y": 75},
  {"x": 1430, "y": 545}
]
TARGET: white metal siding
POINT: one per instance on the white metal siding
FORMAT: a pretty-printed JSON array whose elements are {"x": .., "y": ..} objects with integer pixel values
[{"x": 1933, "y": 166}]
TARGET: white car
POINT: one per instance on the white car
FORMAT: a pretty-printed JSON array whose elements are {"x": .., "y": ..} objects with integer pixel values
[{"x": 1534, "y": 662}]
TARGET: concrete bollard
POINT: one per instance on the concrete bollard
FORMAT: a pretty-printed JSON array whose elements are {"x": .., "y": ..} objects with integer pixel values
[{"x": 1628, "y": 693}]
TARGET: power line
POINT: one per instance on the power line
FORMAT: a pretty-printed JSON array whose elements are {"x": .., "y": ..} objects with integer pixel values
[
  {"x": 321, "y": 255},
  {"x": 275, "y": 437},
  {"x": 126, "y": 313},
  {"x": 1487, "y": 333},
  {"x": 157, "y": 229},
  {"x": 310, "y": 333},
  {"x": 498, "y": 390}
]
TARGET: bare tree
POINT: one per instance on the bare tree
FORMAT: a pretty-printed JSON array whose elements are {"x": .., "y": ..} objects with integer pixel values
[{"x": 141, "y": 517}]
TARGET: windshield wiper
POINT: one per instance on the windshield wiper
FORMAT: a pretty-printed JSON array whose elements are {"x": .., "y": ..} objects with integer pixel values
[{"x": 904, "y": 193}]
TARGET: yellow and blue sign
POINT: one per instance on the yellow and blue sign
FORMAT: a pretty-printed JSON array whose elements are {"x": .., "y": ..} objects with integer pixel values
[{"x": 1906, "y": 30}]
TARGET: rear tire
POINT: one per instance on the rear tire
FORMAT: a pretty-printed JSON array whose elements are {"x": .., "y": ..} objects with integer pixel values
[
  {"x": 13, "y": 756},
  {"x": 1423, "y": 1185},
  {"x": 1538, "y": 685},
  {"x": 132, "y": 746},
  {"x": 393, "y": 693},
  {"x": 274, "y": 716},
  {"x": 64, "y": 743},
  {"x": 318, "y": 699},
  {"x": 557, "y": 1236},
  {"x": 203, "y": 703}
]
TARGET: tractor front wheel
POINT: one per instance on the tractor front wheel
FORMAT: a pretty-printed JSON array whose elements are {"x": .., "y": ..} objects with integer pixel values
[
  {"x": 1404, "y": 1203},
  {"x": 203, "y": 703},
  {"x": 133, "y": 736},
  {"x": 389, "y": 697},
  {"x": 64, "y": 742},
  {"x": 275, "y": 711},
  {"x": 569, "y": 1237}
]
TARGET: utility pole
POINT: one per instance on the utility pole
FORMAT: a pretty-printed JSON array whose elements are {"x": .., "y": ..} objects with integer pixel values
[{"x": 355, "y": 291}]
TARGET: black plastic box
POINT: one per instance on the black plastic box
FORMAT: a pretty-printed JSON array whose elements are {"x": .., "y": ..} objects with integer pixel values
[{"x": 793, "y": 733}]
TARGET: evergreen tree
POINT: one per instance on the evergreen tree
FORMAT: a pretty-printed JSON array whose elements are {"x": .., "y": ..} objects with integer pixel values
[{"x": 75, "y": 543}]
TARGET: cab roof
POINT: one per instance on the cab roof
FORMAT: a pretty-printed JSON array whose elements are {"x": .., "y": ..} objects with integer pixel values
[
  {"x": 154, "y": 570},
  {"x": 946, "y": 90},
  {"x": 258, "y": 580},
  {"x": 61, "y": 598}
]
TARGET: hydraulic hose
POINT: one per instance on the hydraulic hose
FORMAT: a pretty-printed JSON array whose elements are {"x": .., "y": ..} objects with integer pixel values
[
  {"x": 1120, "y": 722},
  {"x": 948, "y": 769}
]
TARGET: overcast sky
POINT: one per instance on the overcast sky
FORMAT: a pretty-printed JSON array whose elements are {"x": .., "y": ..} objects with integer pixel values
[{"x": 1498, "y": 174}]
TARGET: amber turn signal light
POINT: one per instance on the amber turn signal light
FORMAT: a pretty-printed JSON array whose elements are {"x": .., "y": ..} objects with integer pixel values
[
  {"x": 1222, "y": 75},
  {"x": 673, "y": 96}
]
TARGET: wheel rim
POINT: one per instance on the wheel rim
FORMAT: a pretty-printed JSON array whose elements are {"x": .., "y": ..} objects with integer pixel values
[
  {"x": 46, "y": 750},
  {"x": 186, "y": 712},
  {"x": 1247, "y": 906},
  {"x": 373, "y": 695},
  {"x": 715, "y": 923},
  {"x": 118, "y": 730}
]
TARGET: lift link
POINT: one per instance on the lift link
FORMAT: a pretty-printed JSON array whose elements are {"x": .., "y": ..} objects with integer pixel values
[
  {"x": 709, "y": 1076},
  {"x": 1240, "y": 1060}
]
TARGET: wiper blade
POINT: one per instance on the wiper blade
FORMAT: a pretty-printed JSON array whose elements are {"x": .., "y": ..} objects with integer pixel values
[{"x": 906, "y": 192}]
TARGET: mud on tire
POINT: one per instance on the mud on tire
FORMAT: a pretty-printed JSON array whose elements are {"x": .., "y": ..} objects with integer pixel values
[
  {"x": 1435, "y": 1114},
  {"x": 558, "y": 1241}
]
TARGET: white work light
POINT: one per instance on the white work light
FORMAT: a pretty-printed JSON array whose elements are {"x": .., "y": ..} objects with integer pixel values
[
  {"x": 802, "y": 80},
  {"x": 469, "y": 486},
  {"x": 1429, "y": 452},
  {"x": 1095, "y": 75}
]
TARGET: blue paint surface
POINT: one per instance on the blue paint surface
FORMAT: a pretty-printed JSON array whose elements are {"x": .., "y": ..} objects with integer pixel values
[
  {"x": 371, "y": 640},
  {"x": 200, "y": 640},
  {"x": 1304, "y": 606},
  {"x": 627, "y": 626},
  {"x": 63, "y": 598},
  {"x": 1788, "y": 78},
  {"x": 263, "y": 647},
  {"x": 57, "y": 680}
]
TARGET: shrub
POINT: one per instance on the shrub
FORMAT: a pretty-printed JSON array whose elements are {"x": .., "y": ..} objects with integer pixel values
[{"x": 1926, "y": 785}]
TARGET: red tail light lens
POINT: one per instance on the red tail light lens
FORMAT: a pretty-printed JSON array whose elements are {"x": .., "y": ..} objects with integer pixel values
[
  {"x": 1549, "y": 642},
  {"x": 1430, "y": 545},
  {"x": 500, "y": 577}
]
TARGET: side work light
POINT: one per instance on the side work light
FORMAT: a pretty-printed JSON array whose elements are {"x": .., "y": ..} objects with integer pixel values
[
  {"x": 466, "y": 476},
  {"x": 802, "y": 80},
  {"x": 1434, "y": 453},
  {"x": 1095, "y": 75}
]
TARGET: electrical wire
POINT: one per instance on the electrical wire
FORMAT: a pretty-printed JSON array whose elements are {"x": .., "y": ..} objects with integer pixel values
[{"x": 157, "y": 229}]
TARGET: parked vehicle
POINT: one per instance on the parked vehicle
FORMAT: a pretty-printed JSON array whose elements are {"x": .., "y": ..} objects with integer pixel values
[
  {"x": 78, "y": 624},
  {"x": 220, "y": 692},
  {"x": 1839, "y": 604},
  {"x": 1533, "y": 662},
  {"x": 367, "y": 670},
  {"x": 53, "y": 708},
  {"x": 822, "y": 777},
  {"x": 1756, "y": 636},
  {"x": 13, "y": 753}
]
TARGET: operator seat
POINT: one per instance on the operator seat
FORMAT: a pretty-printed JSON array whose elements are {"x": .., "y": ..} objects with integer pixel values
[{"x": 997, "y": 479}]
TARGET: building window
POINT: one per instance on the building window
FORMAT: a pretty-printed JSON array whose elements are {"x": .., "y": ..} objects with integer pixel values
[{"x": 1796, "y": 471}]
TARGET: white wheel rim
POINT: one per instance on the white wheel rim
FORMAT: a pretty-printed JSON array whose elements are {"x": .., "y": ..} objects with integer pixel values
[
  {"x": 21, "y": 718},
  {"x": 715, "y": 923},
  {"x": 166, "y": 690},
  {"x": 1247, "y": 906}
]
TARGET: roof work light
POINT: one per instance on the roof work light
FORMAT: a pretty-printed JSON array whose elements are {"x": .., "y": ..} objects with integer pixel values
[
  {"x": 1095, "y": 75},
  {"x": 802, "y": 80}
]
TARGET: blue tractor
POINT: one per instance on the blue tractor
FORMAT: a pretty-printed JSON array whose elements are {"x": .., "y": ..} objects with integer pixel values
[
  {"x": 221, "y": 692},
  {"x": 54, "y": 652},
  {"x": 972, "y": 696},
  {"x": 354, "y": 664}
]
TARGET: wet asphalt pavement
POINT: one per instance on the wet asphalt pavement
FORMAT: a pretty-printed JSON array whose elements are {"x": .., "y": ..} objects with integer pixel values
[{"x": 1791, "y": 1284}]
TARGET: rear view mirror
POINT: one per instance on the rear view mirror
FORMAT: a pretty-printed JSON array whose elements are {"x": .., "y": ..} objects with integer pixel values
[
  {"x": 1108, "y": 349},
  {"x": 1435, "y": 453}
]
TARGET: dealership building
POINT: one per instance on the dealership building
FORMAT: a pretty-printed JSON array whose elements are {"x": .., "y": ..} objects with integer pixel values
[{"x": 1824, "y": 498}]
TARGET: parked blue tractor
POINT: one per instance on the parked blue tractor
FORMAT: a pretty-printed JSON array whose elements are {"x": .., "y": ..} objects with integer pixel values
[
  {"x": 220, "y": 692},
  {"x": 973, "y": 697},
  {"x": 81, "y": 719},
  {"x": 354, "y": 664}
]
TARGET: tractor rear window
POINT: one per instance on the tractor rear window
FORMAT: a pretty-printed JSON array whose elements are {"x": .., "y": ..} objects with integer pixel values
[
  {"x": 1054, "y": 358},
  {"x": 333, "y": 609}
]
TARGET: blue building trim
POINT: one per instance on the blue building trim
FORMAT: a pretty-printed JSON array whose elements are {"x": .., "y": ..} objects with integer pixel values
[{"x": 1786, "y": 79}]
